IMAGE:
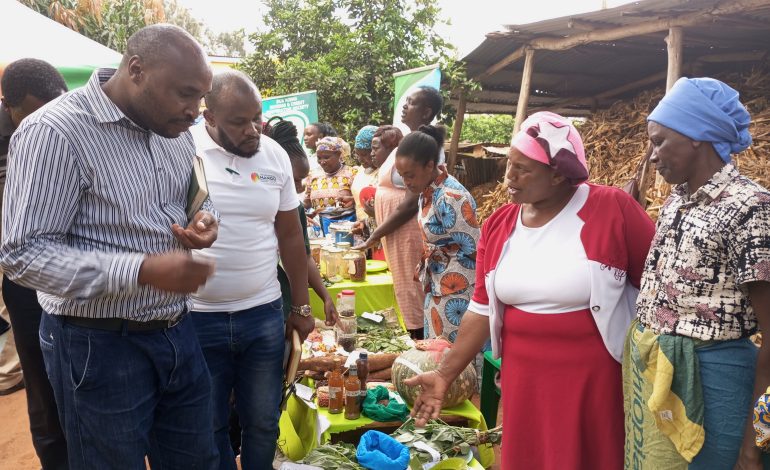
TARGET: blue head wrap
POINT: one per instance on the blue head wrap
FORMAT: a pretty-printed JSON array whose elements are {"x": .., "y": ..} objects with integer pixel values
[
  {"x": 364, "y": 137},
  {"x": 706, "y": 110}
]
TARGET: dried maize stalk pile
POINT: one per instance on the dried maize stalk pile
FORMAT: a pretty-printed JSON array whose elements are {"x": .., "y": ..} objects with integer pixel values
[{"x": 616, "y": 141}]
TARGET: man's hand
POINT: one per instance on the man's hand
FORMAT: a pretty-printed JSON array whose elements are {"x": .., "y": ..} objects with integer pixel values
[
  {"x": 330, "y": 311},
  {"x": 428, "y": 403},
  {"x": 174, "y": 272},
  {"x": 200, "y": 233},
  {"x": 303, "y": 325},
  {"x": 358, "y": 228}
]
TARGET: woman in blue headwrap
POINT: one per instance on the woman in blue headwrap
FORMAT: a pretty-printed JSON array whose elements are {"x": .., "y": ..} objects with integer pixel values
[
  {"x": 691, "y": 374},
  {"x": 367, "y": 172}
]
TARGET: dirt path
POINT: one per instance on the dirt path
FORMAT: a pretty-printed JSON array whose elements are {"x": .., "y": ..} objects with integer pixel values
[{"x": 16, "y": 451}]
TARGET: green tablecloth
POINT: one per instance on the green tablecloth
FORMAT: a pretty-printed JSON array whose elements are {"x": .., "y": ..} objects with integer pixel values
[
  {"x": 298, "y": 429},
  {"x": 375, "y": 294}
]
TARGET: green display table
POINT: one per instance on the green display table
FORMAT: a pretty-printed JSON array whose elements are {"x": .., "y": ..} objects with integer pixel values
[{"x": 376, "y": 293}]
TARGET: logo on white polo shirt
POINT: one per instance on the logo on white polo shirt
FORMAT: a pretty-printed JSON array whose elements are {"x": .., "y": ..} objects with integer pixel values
[{"x": 263, "y": 177}]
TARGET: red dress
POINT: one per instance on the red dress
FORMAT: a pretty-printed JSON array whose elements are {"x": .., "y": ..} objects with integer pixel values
[{"x": 562, "y": 394}]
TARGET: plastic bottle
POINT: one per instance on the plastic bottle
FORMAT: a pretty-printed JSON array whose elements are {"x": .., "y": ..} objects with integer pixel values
[
  {"x": 352, "y": 395},
  {"x": 336, "y": 389},
  {"x": 362, "y": 364}
]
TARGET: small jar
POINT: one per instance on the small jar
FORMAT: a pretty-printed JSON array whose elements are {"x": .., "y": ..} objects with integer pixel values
[
  {"x": 334, "y": 264},
  {"x": 355, "y": 265},
  {"x": 325, "y": 259},
  {"x": 315, "y": 250},
  {"x": 347, "y": 326}
]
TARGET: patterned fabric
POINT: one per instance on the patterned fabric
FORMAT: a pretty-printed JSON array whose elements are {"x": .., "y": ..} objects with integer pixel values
[
  {"x": 447, "y": 272},
  {"x": 552, "y": 140},
  {"x": 364, "y": 137},
  {"x": 762, "y": 421},
  {"x": 332, "y": 144},
  {"x": 323, "y": 189},
  {"x": 707, "y": 246}
]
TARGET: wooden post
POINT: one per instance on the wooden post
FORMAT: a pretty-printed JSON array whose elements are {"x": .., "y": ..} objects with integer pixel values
[
  {"x": 674, "y": 42},
  {"x": 456, "y": 131},
  {"x": 523, "y": 101}
]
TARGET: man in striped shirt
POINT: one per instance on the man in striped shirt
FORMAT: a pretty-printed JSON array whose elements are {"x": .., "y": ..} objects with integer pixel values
[
  {"x": 94, "y": 221},
  {"x": 27, "y": 85}
]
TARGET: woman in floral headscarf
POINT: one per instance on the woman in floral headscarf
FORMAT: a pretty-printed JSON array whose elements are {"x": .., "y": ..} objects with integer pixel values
[
  {"x": 328, "y": 193},
  {"x": 557, "y": 273}
]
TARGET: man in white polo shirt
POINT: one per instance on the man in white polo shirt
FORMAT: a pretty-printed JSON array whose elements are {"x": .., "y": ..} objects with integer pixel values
[{"x": 238, "y": 315}]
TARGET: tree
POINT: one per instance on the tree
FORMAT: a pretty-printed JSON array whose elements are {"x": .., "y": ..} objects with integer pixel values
[
  {"x": 109, "y": 22},
  {"x": 347, "y": 50},
  {"x": 492, "y": 128},
  {"x": 228, "y": 43}
]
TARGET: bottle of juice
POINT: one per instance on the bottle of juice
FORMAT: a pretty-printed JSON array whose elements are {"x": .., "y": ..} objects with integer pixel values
[
  {"x": 336, "y": 389},
  {"x": 352, "y": 394}
]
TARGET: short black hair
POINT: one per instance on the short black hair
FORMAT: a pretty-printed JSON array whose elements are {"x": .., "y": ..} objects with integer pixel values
[
  {"x": 285, "y": 134},
  {"x": 33, "y": 77},
  {"x": 433, "y": 99},
  {"x": 424, "y": 145},
  {"x": 325, "y": 129},
  {"x": 229, "y": 81}
]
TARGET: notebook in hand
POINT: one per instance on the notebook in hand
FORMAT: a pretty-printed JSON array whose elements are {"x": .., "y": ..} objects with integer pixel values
[{"x": 198, "y": 190}]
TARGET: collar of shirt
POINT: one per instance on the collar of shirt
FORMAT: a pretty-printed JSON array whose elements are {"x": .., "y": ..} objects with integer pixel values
[
  {"x": 712, "y": 189},
  {"x": 102, "y": 107}
]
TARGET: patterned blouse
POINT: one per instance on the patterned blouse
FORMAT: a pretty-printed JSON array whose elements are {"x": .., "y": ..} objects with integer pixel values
[
  {"x": 450, "y": 232},
  {"x": 324, "y": 189},
  {"x": 707, "y": 247}
]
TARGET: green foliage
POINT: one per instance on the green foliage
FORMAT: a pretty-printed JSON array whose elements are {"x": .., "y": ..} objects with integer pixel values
[
  {"x": 112, "y": 22},
  {"x": 493, "y": 128},
  {"x": 347, "y": 50}
]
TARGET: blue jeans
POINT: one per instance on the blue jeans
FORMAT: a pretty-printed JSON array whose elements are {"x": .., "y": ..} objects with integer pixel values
[
  {"x": 124, "y": 396},
  {"x": 244, "y": 352}
]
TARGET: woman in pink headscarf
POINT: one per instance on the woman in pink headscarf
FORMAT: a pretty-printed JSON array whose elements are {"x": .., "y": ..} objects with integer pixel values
[{"x": 557, "y": 275}]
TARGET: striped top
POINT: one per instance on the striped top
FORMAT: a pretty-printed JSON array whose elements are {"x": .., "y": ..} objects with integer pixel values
[
  {"x": 88, "y": 194},
  {"x": 6, "y": 131}
]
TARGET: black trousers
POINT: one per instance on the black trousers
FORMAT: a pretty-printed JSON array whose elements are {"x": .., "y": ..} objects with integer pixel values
[{"x": 47, "y": 435}]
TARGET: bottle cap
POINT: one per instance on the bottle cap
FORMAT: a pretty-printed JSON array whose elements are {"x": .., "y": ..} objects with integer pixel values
[
  {"x": 363, "y": 355},
  {"x": 348, "y": 292}
]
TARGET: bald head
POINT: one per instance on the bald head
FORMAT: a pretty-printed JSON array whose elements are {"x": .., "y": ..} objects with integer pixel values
[
  {"x": 163, "y": 44},
  {"x": 228, "y": 85}
]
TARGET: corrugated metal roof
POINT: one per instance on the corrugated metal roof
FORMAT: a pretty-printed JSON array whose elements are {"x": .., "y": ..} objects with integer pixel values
[{"x": 596, "y": 67}]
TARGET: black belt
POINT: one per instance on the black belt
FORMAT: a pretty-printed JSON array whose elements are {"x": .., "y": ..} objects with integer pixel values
[{"x": 120, "y": 324}]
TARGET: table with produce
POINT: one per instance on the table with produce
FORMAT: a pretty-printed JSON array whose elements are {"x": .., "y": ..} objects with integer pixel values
[{"x": 351, "y": 408}]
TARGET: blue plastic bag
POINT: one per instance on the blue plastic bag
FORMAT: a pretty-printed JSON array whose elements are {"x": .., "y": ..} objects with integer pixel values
[{"x": 378, "y": 451}]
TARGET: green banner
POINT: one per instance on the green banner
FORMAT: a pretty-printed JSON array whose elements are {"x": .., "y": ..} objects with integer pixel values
[
  {"x": 299, "y": 108},
  {"x": 408, "y": 81}
]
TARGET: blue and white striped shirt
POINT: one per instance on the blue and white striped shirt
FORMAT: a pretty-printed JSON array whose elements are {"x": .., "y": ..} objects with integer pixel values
[{"x": 88, "y": 194}]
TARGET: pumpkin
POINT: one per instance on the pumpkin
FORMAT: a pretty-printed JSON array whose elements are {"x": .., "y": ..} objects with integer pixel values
[{"x": 425, "y": 357}]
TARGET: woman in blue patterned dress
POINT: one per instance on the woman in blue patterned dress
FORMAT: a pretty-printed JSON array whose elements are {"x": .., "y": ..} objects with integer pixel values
[{"x": 450, "y": 231}]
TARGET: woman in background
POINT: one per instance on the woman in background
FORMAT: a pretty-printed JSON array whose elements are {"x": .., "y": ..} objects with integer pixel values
[
  {"x": 450, "y": 231},
  {"x": 328, "y": 193}
]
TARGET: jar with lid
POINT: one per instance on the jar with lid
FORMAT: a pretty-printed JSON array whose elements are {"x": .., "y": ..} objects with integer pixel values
[
  {"x": 334, "y": 264},
  {"x": 355, "y": 265},
  {"x": 315, "y": 249},
  {"x": 347, "y": 327},
  {"x": 325, "y": 258},
  {"x": 345, "y": 247}
]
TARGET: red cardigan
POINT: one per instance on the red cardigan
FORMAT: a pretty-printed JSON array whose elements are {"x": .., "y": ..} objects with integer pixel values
[{"x": 616, "y": 236}]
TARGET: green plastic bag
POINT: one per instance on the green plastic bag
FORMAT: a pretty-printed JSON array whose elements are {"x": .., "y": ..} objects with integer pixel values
[{"x": 392, "y": 412}]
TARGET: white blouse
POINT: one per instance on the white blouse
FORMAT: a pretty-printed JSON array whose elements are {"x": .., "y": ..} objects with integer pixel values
[{"x": 545, "y": 269}]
